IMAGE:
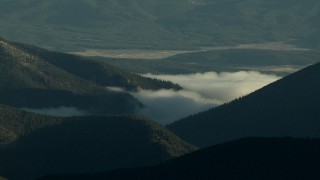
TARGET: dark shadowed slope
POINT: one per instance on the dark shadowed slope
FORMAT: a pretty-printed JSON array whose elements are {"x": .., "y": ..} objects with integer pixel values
[
  {"x": 245, "y": 159},
  {"x": 36, "y": 78},
  {"x": 288, "y": 107},
  {"x": 28, "y": 81},
  {"x": 36, "y": 145},
  {"x": 15, "y": 123},
  {"x": 98, "y": 72}
]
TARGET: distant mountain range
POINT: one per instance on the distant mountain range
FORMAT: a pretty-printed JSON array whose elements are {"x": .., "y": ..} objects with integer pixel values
[
  {"x": 245, "y": 159},
  {"x": 288, "y": 107},
  {"x": 35, "y": 78},
  {"x": 154, "y": 24},
  {"x": 33, "y": 145}
]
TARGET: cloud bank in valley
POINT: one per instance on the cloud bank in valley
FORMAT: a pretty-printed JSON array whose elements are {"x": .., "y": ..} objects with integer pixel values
[
  {"x": 201, "y": 91},
  {"x": 165, "y": 106}
]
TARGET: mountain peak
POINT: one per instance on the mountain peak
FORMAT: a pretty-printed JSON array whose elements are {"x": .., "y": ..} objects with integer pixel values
[{"x": 23, "y": 58}]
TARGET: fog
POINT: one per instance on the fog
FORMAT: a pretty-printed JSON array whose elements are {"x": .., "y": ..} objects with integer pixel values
[
  {"x": 201, "y": 91},
  {"x": 166, "y": 106}
]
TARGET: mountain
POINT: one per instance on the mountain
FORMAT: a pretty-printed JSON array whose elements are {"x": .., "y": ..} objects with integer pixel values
[
  {"x": 15, "y": 124},
  {"x": 98, "y": 71},
  {"x": 28, "y": 81},
  {"x": 141, "y": 24},
  {"x": 88, "y": 23},
  {"x": 96, "y": 10},
  {"x": 250, "y": 21},
  {"x": 35, "y": 78},
  {"x": 34, "y": 145},
  {"x": 288, "y": 107},
  {"x": 20, "y": 69},
  {"x": 244, "y": 159}
]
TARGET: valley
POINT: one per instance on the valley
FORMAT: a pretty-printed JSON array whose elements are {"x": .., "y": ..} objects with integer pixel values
[
  {"x": 162, "y": 54},
  {"x": 129, "y": 54},
  {"x": 159, "y": 89},
  {"x": 260, "y": 58}
]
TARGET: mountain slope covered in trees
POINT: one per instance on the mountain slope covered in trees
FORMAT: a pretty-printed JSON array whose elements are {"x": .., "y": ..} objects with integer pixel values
[
  {"x": 244, "y": 159},
  {"x": 288, "y": 107},
  {"x": 28, "y": 81},
  {"x": 15, "y": 123},
  {"x": 251, "y": 21},
  {"x": 155, "y": 24},
  {"x": 90, "y": 23},
  {"x": 33, "y": 145},
  {"x": 36, "y": 78},
  {"x": 98, "y": 72}
]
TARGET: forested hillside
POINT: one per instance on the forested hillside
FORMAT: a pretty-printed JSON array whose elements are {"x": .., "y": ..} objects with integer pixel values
[
  {"x": 35, "y": 78},
  {"x": 95, "y": 23},
  {"x": 33, "y": 145},
  {"x": 140, "y": 24},
  {"x": 245, "y": 159},
  {"x": 28, "y": 81},
  {"x": 39, "y": 80},
  {"x": 288, "y": 107},
  {"x": 248, "y": 21},
  {"x": 15, "y": 123},
  {"x": 99, "y": 72}
]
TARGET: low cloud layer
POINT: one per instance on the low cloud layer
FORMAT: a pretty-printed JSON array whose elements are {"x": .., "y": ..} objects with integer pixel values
[
  {"x": 201, "y": 91},
  {"x": 165, "y": 106}
]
